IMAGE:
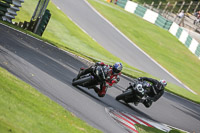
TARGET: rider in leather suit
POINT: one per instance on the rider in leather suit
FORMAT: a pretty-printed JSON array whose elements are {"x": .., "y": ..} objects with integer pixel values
[
  {"x": 112, "y": 76},
  {"x": 155, "y": 91}
]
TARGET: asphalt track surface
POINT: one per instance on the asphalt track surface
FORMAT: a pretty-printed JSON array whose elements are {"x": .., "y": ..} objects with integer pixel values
[
  {"x": 51, "y": 71},
  {"x": 107, "y": 36}
]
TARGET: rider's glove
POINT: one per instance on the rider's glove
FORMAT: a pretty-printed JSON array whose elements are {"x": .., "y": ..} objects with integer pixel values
[{"x": 132, "y": 84}]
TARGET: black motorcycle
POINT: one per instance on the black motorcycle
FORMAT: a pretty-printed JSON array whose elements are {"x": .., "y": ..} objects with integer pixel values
[
  {"x": 97, "y": 77},
  {"x": 135, "y": 93}
]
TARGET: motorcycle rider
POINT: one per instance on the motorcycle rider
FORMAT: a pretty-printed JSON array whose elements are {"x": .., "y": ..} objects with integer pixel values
[
  {"x": 154, "y": 91},
  {"x": 112, "y": 78}
]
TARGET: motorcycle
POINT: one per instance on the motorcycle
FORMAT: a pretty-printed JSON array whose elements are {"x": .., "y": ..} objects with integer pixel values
[
  {"x": 97, "y": 77},
  {"x": 136, "y": 93}
]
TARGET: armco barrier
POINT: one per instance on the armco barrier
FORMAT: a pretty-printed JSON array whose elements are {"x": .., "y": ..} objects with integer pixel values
[
  {"x": 140, "y": 11},
  {"x": 150, "y": 16},
  {"x": 193, "y": 46},
  {"x": 162, "y": 22},
  {"x": 131, "y": 6},
  {"x": 121, "y": 3},
  {"x": 185, "y": 38},
  {"x": 197, "y": 52},
  {"x": 168, "y": 25},
  {"x": 173, "y": 29},
  {"x": 178, "y": 33},
  {"x": 188, "y": 41}
]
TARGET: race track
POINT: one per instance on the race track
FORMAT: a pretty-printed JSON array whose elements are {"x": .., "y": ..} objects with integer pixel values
[
  {"x": 110, "y": 38},
  {"x": 51, "y": 70}
]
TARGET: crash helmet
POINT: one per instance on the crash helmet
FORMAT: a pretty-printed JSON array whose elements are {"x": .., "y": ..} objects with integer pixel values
[
  {"x": 163, "y": 82},
  {"x": 117, "y": 67}
]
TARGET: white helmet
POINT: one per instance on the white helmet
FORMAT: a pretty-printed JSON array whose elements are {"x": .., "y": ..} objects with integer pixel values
[{"x": 163, "y": 82}]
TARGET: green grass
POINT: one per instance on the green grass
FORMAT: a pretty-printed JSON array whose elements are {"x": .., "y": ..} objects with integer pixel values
[
  {"x": 24, "y": 110},
  {"x": 157, "y": 42}
]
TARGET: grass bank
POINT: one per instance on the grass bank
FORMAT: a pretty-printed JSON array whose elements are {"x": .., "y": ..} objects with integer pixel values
[{"x": 23, "y": 110}]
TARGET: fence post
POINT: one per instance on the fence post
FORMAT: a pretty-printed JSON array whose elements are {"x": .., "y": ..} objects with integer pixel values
[
  {"x": 189, "y": 7},
  {"x": 144, "y": 4},
  {"x": 41, "y": 13},
  {"x": 173, "y": 7},
  {"x": 152, "y": 5},
  {"x": 166, "y": 7},
  {"x": 159, "y": 5},
  {"x": 181, "y": 6},
  {"x": 196, "y": 7}
]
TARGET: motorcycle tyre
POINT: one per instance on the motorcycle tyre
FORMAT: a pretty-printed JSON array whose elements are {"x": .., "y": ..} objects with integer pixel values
[
  {"x": 82, "y": 80},
  {"x": 147, "y": 103},
  {"x": 123, "y": 95}
]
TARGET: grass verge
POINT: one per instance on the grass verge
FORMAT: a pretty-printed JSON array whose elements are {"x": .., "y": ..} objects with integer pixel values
[{"x": 23, "y": 110}]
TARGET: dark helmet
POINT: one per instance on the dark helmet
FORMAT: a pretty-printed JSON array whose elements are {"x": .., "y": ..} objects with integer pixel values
[
  {"x": 163, "y": 82},
  {"x": 117, "y": 67}
]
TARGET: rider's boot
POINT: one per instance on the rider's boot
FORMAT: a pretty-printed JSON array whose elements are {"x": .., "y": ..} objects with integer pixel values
[
  {"x": 136, "y": 103},
  {"x": 139, "y": 101},
  {"x": 96, "y": 89},
  {"x": 147, "y": 103}
]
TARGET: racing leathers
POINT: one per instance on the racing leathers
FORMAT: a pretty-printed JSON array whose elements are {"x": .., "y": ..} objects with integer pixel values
[
  {"x": 111, "y": 79},
  {"x": 154, "y": 92}
]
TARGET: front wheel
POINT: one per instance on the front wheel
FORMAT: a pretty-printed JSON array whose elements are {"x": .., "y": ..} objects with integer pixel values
[
  {"x": 82, "y": 80},
  {"x": 123, "y": 95},
  {"x": 120, "y": 97}
]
